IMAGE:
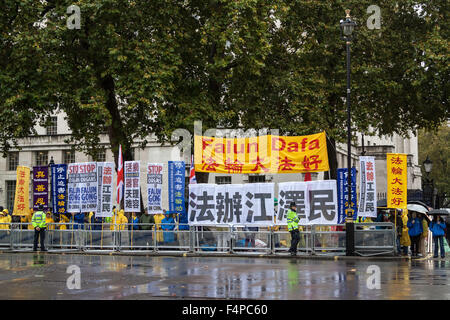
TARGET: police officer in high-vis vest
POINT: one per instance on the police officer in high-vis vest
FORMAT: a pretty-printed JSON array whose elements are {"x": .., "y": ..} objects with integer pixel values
[
  {"x": 292, "y": 222},
  {"x": 39, "y": 226}
]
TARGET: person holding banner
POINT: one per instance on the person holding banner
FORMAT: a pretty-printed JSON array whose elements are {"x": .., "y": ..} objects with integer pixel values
[{"x": 292, "y": 222}]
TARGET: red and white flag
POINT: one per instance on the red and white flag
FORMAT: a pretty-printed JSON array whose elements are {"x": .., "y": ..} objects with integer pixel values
[
  {"x": 120, "y": 176},
  {"x": 192, "y": 179},
  {"x": 308, "y": 176}
]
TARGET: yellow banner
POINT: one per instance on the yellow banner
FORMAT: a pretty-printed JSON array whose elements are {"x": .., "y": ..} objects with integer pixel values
[
  {"x": 397, "y": 180},
  {"x": 262, "y": 154},
  {"x": 22, "y": 198}
]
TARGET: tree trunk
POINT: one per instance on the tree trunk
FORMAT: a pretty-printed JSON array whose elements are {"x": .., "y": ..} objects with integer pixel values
[{"x": 116, "y": 131}]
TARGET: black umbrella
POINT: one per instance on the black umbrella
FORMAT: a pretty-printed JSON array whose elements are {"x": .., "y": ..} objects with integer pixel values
[{"x": 438, "y": 212}]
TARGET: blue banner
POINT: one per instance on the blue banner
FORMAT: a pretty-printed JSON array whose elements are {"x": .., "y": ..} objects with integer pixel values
[
  {"x": 59, "y": 188},
  {"x": 177, "y": 173},
  {"x": 342, "y": 190}
]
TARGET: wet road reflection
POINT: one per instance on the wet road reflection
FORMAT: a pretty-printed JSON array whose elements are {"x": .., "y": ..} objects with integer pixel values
[{"x": 43, "y": 276}]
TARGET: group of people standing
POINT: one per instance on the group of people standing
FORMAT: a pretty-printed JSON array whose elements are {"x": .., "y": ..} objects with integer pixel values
[
  {"x": 40, "y": 221},
  {"x": 417, "y": 227}
]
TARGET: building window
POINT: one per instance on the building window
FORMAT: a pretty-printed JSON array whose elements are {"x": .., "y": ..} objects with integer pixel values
[
  {"x": 13, "y": 161},
  {"x": 223, "y": 180},
  {"x": 52, "y": 129},
  {"x": 10, "y": 193},
  {"x": 100, "y": 156},
  {"x": 41, "y": 158},
  {"x": 256, "y": 179},
  {"x": 68, "y": 156}
]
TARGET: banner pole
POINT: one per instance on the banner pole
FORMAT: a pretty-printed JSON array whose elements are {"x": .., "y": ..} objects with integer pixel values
[{"x": 101, "y": 237}]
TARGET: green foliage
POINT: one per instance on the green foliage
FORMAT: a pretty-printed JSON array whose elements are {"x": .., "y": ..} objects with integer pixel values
[
  {"x": 141, "y": 67},
  {"x": 435, "y": 145}
]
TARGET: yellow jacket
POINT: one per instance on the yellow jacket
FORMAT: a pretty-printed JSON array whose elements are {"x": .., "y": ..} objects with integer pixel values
[
  {"x": 4, "y": 220},
  {"x": 119, "y": 221},
  {"x": 159, "y": 234},
  {"x": 63, "y": 219},
  {"x": 404, "y": 239},
  {"x": 425, "y": 228},
  {"x": 50, "y": 220},
  {"x": 27, "y": 219}
]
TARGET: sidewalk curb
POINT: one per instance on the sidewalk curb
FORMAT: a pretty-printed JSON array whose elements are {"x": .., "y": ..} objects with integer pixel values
[{"x": 218, "y": 255}]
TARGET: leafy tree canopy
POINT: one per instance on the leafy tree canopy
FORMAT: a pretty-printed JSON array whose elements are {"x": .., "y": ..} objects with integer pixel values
[{"x": 140, "y": 67}]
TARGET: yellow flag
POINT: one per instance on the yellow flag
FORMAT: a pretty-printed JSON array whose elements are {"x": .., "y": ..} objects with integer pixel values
[
  {"x": 397, "y": 180},
  {"x": 22, "y": 200},
  {"x": 261, "y": 154}
]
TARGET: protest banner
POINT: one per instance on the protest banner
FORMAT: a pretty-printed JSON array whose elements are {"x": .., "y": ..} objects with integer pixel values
[
  {"x": 342, "y": 189},
  {"x": 262, "y": 154},
  {"x": 177, "y": 173},
  {"x": 132, "y": 195},
  {"x": 82, "y": 187},
  {"x": 367, "y": 188},
  {"x": 40, "y": 187},
  {"x": 241, "y": 204},
  {"x": 21, "y": 199},
  {"x": 316, "y": 202},
  {"x": 105, "y": 189},
  {"x": 154, "y": 187},
  {"x": 397, "y": 180},
  {"x": 59, "y": 188}
]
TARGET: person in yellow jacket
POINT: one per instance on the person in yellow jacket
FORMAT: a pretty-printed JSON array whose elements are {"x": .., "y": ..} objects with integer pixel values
[
  {"x": 159, "y": 234},
  {"x": 423, "y": 236},
  {"x": 30, "y": 226},
  {"x": 49, "y": 221},
  {"x": 7, "y": 215},
  {"x": 63, "y": 220},
  {"x": 119, "y": 221},
  {"x": 405, "y": 240},
  {"x": 3, "y": 221}
]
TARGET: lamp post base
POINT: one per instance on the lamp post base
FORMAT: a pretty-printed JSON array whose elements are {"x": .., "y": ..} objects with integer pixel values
[{"x": 349, "y": 238}]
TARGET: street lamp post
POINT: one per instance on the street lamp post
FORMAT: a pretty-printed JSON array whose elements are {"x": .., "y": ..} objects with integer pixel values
[
  {"x": 427, "y": 184},
  {"x": 51, "y": 163},
  {"x": 347, "y": 27}
]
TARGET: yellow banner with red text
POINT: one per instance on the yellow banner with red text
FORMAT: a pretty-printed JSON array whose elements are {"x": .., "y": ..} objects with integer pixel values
[
  {"x": 397, "y": 180},
  {"x": 261, "y": 154}
]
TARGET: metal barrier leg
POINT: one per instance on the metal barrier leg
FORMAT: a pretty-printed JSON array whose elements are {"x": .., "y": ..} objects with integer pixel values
[
  {"x": 191, "y": 238},
  {"x": 272, "y": 242},
  {"x": 155, "y": 242},
  {"x": 313, "y": 239}
]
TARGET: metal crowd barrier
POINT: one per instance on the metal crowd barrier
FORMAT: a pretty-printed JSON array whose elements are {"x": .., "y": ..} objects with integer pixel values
[
  {"x": 375, "y": 238},
  {"x": 326, "y": 240},
  {"x": 370, "y": 238}
]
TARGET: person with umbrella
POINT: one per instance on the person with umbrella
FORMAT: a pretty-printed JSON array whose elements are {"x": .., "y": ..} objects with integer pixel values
[
  {"x": 415, "y": 230},
  {"x": 437, "y": 227}
]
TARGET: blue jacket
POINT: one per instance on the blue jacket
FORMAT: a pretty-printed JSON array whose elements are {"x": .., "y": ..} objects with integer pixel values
[
  {"x": 96, "y": 223},
  {"x": 134, "y": 223},
  {"x": 168, "y": 224},
  {"x": 78, "y": 221},
  {"x": 437, "y": 229},
  {"x": 183, "y": 222},
  {"x": 416, "y": 228}
]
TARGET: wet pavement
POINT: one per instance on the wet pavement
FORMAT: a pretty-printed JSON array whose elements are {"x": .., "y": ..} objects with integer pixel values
[{"x": 44, "y": 276}]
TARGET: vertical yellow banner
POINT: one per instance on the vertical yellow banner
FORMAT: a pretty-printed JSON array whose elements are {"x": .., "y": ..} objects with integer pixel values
[
  {"x": 397, "y": 180},
  {"x": 22, "y": 198}
]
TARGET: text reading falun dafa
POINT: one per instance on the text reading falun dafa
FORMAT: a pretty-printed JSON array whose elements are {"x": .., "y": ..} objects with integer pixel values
[
  {"x": 397, "y": 180},
  {"x": 261, "y": 154}
]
